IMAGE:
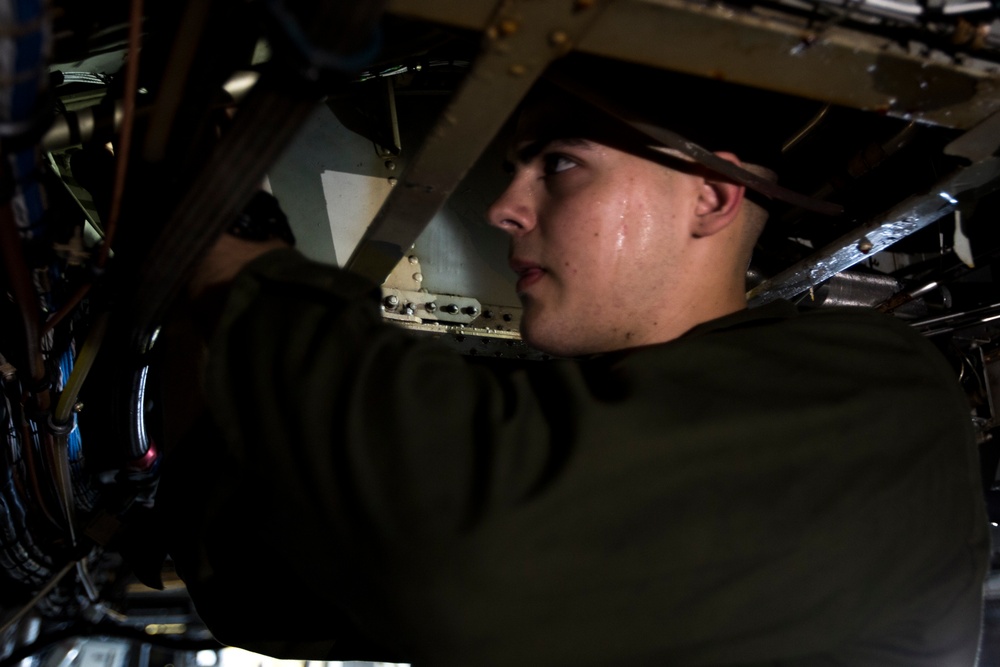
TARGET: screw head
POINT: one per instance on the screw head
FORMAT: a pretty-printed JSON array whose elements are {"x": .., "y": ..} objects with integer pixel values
[
  {"x": 508, "y": 27},
  {"x": 558, "y": 38}
]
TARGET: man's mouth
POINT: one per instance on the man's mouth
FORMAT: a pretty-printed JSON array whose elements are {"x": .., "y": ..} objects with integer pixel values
[{"x": 528, "y": 274}]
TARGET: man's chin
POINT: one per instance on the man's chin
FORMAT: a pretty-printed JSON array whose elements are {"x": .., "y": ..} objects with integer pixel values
[
  {"x": 554, "y": 341},
  {"x": 534, "y": 336}
]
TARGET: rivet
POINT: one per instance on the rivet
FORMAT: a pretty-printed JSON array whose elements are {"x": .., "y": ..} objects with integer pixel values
[
  {"x": 451, "y": 309},
  {"x": 392, "y": 180},
  {"x": 517, "y": 70},
  {"x": 558, "y": 38},
  {"x": 409, "y": 308},
  {"x": 507, "y": 317},
  {"x": 430, "y": 306},
  {"x": 391, "y": 301},
  {"x": 865, "y": 245},
  {"x": 488, "y": 314},
  {"x": 419, "y": 277},
  {"x": 390, "y": 165},
  {"x": 471, "y": 310},
  {"x": 412, "y": 259},
  {"x": 508, "y": 27}
]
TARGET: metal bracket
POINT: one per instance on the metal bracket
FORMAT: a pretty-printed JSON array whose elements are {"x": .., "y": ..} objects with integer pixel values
[{"x": 424, "y": 306}]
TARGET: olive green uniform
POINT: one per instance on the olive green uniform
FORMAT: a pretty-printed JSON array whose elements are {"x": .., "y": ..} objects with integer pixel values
[{"x": 774, "y": 488}]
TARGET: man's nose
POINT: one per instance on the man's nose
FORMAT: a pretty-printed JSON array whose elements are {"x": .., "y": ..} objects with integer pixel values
[{"x": 513, "y": 211}]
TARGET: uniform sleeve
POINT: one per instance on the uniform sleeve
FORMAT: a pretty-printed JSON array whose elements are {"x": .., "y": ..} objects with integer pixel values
[
  {"x": 335, "y": 442},
  {"x": 798, "y": 493}
]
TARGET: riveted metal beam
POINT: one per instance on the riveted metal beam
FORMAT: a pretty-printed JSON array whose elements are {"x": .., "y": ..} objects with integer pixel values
[
  {"x": 777, "y": 51},
  {"x": 913, "y": 214},
  {"x": 519, "y": 40}
]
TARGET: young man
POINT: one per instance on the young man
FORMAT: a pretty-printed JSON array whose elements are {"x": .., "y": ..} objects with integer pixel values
[
  {"x": 690, "y": 483},
  {"x": 595, "y": 227}
]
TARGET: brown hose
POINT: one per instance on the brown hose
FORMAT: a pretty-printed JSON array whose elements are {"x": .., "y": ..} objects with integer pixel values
[
  {"x": 128, "y": 119},
  {"x": 24, "y": 296},
  {"x": 58, "y": 316}
]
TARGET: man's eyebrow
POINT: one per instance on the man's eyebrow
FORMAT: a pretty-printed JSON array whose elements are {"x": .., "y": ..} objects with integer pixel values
[{"x": 533, "y": 149}]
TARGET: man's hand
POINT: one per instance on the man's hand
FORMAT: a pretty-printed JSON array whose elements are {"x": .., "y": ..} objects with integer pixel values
[
  {"x": 224, "y": 260},
  {"x": 258, "y": 229}
]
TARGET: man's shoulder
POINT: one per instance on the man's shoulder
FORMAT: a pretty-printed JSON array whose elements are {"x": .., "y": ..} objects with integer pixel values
[
  {"x": 866, "y": 330},
  {"x": 797, "y": 352},
  {"x": 780, "y": 323}
]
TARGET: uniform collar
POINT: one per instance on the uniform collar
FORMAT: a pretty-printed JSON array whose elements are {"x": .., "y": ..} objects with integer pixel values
[{"x": 775, "y": 310}]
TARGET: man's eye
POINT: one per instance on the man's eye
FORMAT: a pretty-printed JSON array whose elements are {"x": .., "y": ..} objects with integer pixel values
[{"x": 555, "y": 163}]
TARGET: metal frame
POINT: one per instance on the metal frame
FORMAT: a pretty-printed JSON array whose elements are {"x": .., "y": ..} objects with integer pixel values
[{"x": 773, "y": 51}]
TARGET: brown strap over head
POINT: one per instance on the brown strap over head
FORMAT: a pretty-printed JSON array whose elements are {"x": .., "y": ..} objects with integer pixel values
[{"x": 700, "y": 155}]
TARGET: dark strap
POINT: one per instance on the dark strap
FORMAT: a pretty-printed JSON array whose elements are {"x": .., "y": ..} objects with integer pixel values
[{"x": 700, "y": 155}]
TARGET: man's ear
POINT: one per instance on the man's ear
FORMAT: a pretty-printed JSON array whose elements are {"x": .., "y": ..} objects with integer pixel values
[{"x": 719, "y": 201}]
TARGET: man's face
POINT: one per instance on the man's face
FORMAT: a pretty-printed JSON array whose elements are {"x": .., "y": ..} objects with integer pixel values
[{"x": 596, "y": 235}]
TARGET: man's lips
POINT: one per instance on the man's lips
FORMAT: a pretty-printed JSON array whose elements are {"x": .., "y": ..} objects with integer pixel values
[{"x": 528, "y": 274}]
